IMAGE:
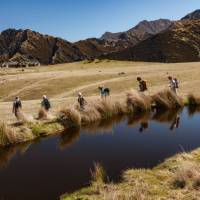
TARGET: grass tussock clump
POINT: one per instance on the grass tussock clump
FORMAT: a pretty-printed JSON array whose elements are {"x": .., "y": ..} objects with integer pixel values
[
  {"x": 191, "y": 100},
  {"x": 167, "y": 99},
  {"x": 69, "y": 118},
  {"x": 23, "y": 118},
  {"x": 187, "y": 175},
  {"x": 98, "y": 175},
  {"x": 138, "y": 102},
  {"x": 7, "y": 135},
  {"x": 42, "y": 114},
  {"x": 90, "y": 115}
]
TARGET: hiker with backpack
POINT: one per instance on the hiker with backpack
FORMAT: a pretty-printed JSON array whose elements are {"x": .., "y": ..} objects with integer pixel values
[
  {"x": 104, "y": 92},
  {"x": 82, "y": 102},
  {"x": 17, "y": 106},
  {"x": 45, "y": 103},
  {"x": 173, "y": 84},
  {"x": 142, "y": 84}
]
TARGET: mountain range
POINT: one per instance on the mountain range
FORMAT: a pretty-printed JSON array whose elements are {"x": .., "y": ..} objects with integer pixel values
[{"x": 160, "y": 40}]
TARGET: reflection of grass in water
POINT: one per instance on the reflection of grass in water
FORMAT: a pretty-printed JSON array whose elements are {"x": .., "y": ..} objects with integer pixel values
[
  {"x": 104, "y": 126},
  {"x": 192, "y": 110},
  {"x": 68, "y": 137},
  {"x": 7, "y": 153},
  {"x": 167, "y": 116},
  {"x": 134, "y": 119},
  {"x": 192, "y": 100}
]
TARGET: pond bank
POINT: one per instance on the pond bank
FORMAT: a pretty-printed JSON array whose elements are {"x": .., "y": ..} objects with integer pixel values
[
  {"x": 72, "y": 117},
  {"x": 176, "y": 178}
]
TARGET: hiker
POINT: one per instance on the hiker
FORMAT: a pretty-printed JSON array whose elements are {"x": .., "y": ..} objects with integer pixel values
[
  {"x": 82, "y": 102},
  {"x": 172, "y": 84},
  {"x": 17, "y": 106},
  {"x": 45, "y": 103},
  {"x": 176, "y": 83},
  {"x": 104, "y": 92},
  {"x": 142, "y": 84}
]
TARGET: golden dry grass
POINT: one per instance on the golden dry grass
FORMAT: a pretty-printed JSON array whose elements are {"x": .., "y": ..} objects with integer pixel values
[
  {"x": 62, "y": 82},
  {"x": 167, "y": 99}
]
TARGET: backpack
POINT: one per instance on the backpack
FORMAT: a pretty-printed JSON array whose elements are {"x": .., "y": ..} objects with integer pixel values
[
  {"x": 176, "y": 84},
  {"x": 17, "y": 104},
  {"x": 47, "y": 104},
  {"x": 144, "y": 85}
]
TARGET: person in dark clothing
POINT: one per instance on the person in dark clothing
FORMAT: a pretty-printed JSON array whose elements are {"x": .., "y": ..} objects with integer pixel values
[
  {"x": 45, "y": 103},
  {"x": 142, "y": 84},
  {"x": 82, "y": 102},
  {"x": 17, "y": 106}
]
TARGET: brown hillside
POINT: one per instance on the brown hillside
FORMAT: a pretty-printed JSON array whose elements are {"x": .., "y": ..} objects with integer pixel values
[{"x": 178, "y": 44}]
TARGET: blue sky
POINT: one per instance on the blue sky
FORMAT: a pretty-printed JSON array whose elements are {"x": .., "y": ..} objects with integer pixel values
[{"x": 79, "y": 19}]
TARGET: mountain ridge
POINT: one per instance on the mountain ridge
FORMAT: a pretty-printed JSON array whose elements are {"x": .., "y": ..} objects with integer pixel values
[{"x": 27, "y": 45}]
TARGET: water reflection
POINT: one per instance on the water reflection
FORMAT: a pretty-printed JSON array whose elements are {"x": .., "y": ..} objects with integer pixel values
[
  {"x": 7, "y": 153},
  {"x": 69, "y": 137},
  {"x": 67, "y": 159},
  {"x": 104, "y": 126},
  {"x": 192, "y": 110}
]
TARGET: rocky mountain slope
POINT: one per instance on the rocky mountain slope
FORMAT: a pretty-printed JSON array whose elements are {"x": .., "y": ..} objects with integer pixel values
[
  {"x": 192, "y": 16},
  {"x": 29, "y": 45},
  {"x": 140, "y": 32},
  {"x": 180, "y": 43}
]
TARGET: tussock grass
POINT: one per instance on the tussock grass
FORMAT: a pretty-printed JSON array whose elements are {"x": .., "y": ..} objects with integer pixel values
[
  {"x": 90, "y": 114},
  {"x": 167, "y": 99},
  {"x": 69, "y": 118},
  {"x": 187, "y": 174},
  {"x": 23, "y": 118},
  {"x": 102, "y": 109},
  {"x": 138, "y": 102},
  {"x": 7, "y": 135},
  {"x": 98, "y": 175},
  {"x": 42, "y": 114}
]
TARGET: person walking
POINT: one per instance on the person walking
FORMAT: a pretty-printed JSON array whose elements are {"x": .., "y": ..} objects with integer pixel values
[
  {"x": 172, "y": 84},
  {"x": 45, "y": 103},
  {"x": 82, "y": 102},
  {"x": 142, "y": 84},
  {"x": 17, "y": 106}
]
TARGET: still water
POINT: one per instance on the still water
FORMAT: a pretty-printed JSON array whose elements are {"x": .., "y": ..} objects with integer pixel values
[{"x": 49, "y": 167}]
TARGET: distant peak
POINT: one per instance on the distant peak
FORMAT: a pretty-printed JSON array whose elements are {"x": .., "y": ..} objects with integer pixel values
[{"x": 195, "y": 15}]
